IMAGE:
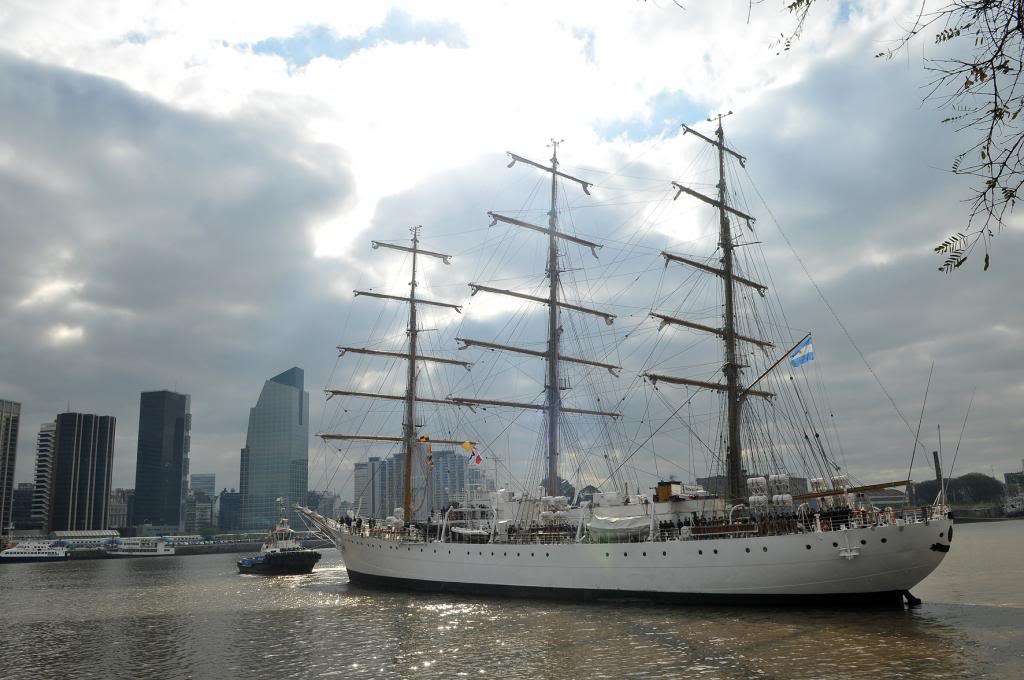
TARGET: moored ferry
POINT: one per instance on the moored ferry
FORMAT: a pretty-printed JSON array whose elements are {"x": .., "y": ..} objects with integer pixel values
[
  {"x": 143, "y": 546},
  {"x": 35, "y": 551}
]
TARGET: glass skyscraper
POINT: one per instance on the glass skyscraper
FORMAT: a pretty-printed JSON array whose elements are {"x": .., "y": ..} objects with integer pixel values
[
  {"x": 161, "y": 462},
  {"x": 10, "y": 416},
  {"x": 83, "y": 457},
  {"x": 275, "y": 461}
]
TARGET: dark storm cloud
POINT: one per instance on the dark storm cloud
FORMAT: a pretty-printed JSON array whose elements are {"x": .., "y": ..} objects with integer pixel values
[{"x": 186, "y": 243}]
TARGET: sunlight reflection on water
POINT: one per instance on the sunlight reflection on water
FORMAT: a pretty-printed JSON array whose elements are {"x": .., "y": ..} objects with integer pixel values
[{"x": 185, "y": 617}]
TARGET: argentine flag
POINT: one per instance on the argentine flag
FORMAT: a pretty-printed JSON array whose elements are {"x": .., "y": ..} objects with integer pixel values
[{"x": 803, "y": 353}]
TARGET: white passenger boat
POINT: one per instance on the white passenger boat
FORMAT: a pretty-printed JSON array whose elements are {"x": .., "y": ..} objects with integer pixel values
[
  {"x": 143, "y": 546},
  {"x": 35, "y": 551}
]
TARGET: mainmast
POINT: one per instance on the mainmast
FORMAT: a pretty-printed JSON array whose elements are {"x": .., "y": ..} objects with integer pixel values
[
  {"x": 408, "y": 437},
  {"x": 554, "y": 392},
  {"x": 553, "y": 357},
  {"x": 732, "y": 387}
]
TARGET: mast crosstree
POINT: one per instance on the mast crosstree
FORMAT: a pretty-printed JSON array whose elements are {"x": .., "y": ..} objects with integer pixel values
[{"x": 553, "y": 357}]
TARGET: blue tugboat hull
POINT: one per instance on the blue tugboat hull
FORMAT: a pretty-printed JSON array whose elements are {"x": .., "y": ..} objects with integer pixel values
[{"x": 283, "y": 563}]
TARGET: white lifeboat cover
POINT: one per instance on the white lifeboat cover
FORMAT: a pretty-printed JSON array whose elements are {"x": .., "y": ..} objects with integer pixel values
[{"x": 614, "y": 525}]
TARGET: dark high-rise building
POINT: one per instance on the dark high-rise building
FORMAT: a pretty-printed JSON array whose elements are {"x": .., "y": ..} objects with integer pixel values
[
  {"x": 161, "y": 463},
  {"x": 21, "y": 512},
  {"x": 230, "y": 508},
  {"x": 10, "y": 417},
  {"x": 274, "y": 462},
  {"x": 83, "y": 457}
]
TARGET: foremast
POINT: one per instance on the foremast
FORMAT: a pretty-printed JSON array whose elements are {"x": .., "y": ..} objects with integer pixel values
[
  {"x": 409, "y": 425},
  {"x": 732, "y": 388},
  {"x": 552, "y": 355},
  {"x": 409, "y": 438}
]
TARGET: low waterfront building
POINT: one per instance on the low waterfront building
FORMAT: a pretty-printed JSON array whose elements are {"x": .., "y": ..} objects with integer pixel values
[
  {"x": 119, "y": 510},
  {"x": 198, "y": 512},
  {"x": 85, "y": 538}
]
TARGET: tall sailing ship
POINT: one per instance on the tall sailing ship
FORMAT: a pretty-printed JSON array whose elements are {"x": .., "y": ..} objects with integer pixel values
[{"x": 748, "y": 535}]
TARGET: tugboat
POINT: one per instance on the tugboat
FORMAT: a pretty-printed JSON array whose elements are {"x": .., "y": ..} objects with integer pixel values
[{"x": 281, "y": 554}]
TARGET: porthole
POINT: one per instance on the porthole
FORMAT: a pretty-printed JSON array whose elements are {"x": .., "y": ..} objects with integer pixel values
[
  {"x": 467, "y": 552},
  {"x": 625, "y": 554},
  {"x": 863, "y": 542},
  {"x": 607, "y": 555},
  {"x": 664, "y": 554},
  {"x": 700, "y": 552},
  {"x": 941, "y": 534},
  {"x": 748, "y": 549},
  {"x": 492, "y": 554},
  {"x": 834, "y": 544},
  {"x": 764, "y": 549},
  {"x": 504, "y": 554},
  {"x": 808, "y": 546},
  {"x": 546, "y": 555},
  {"x": 531, "y": 554},
  {"x": 716, "y": 551},
  {"x": 884, "y": 540},
  {"x": 517, "y": 554},
  {"x": 645, "y": 554}
]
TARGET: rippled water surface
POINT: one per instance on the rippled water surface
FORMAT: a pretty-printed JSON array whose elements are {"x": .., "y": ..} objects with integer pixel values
[{"x": 195, "y": 617}]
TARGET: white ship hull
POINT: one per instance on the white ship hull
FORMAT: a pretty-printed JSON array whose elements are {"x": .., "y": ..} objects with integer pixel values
[{"x": 855, "y": 564}]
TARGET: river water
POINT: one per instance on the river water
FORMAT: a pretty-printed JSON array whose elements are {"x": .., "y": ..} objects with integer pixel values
[{"x": 195, "y": 617}]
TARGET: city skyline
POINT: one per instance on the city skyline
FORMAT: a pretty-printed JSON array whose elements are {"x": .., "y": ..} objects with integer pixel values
[{"x": 256, "y": 233}]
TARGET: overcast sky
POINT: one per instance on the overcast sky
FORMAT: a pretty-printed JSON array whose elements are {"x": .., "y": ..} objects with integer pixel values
[{"x": 187, "y": 193}]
